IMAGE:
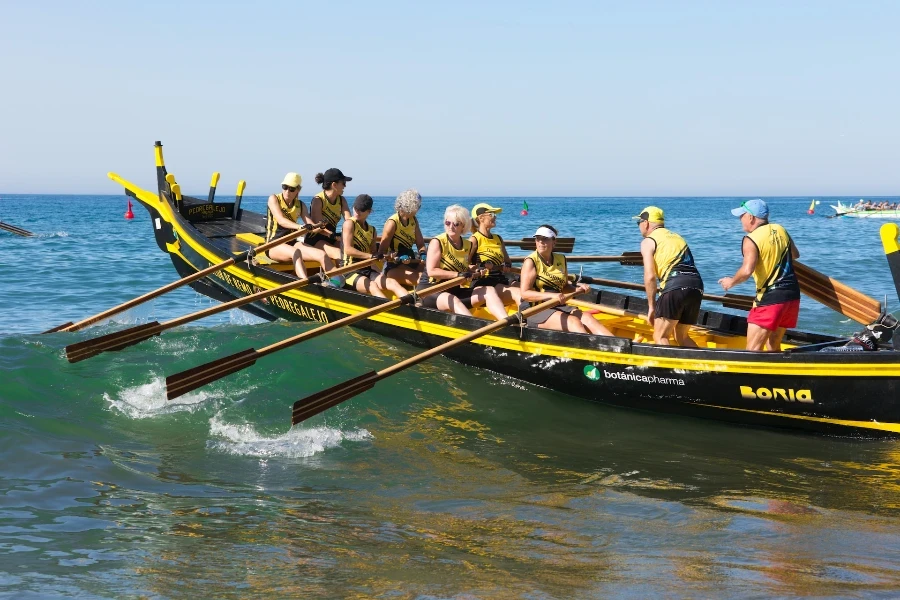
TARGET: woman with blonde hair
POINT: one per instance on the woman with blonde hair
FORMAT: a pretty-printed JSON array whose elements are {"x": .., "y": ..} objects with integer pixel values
[{"x": 450, "y": 256}]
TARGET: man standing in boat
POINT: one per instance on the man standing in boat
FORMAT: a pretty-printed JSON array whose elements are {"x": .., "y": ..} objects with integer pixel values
[
  {"x": 668, "y": 261},
  {"x": 769, "y": 254}
]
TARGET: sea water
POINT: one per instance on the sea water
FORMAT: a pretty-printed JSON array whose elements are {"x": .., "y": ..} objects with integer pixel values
[{"x": 443, "y": 481}]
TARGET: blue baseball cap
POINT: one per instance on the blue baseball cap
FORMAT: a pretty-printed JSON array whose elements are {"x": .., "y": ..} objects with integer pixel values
[{"x": 758, "y": 208}]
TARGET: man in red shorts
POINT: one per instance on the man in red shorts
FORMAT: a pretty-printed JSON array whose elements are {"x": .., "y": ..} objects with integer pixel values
[{"x": 769, "y": 254}]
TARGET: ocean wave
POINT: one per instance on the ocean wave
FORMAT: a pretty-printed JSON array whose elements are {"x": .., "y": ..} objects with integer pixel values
[
  {"x": 244, "y": 440},
  {"x": 149, "y": 400}
]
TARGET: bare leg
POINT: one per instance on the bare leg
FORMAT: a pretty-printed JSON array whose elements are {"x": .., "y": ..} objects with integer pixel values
[
  {"x": 682, "y": 338},
  {"x": 774, "y": 342},
  {"x": 450, "y": 303},
  {"x": 391, "y": 285},
  {"x": 406, "y": 275},
  {"x": 488, "y": 295},
  {"x": 756, "y": 337},
  {"x": 333, "y": 252},
  {"x": 318, "y": 255},
  {"x": 369, "y": 286},
  {"x": 662, "y": 330},
  {"x": 593, "y": 325},
  {"x": 560, "y": 321},
  {"x": 288, "y": 253},
  {"x": 509, "y": 294}
]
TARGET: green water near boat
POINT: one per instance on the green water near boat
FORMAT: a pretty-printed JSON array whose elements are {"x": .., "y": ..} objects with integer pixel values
[{"x": 443, "y": 481}]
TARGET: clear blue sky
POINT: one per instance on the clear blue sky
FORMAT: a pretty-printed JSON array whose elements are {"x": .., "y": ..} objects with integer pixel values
[{"x": 456, "y": 98}]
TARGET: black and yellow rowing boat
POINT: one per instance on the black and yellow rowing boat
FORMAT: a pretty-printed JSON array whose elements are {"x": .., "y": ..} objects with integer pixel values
[{"x": 804, "y": 387}]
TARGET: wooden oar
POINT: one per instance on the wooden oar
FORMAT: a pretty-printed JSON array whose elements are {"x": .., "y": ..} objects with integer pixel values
[
  {"x": 187, "y": 381},
  {"x": 728, "y": 300},
  {"x": 837, "y": 296},
  {"x": 15, "y": 230},
  {"x": 133, "y": 335},
  {"x": 184, "y": 280},
  {"x": 626, "y": 258},
  {"x": 316, "y": 403}
]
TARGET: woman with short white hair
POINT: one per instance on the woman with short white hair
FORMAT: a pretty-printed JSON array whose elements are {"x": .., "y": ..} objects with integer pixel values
[
  {"x": 450, "y": 256},
  {"x": 401, "y": 231}
]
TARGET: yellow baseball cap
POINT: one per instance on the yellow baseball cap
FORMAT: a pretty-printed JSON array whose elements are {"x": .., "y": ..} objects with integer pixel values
[
  {"x": 292, "y": 179},
  {"x": 652, "y": 214},
  {"x": 482, "y": 208}
]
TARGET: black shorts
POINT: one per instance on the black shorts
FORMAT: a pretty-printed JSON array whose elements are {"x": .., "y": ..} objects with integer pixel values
[
  {"x": 542, "y": 316},
  {"x": 491, "y": 280},
  {"x": 464, "y": 294},
  {"x": 352, "y": 278},
  {"x": 312, "y": 239},
  {"x": 682, "y": 305}
]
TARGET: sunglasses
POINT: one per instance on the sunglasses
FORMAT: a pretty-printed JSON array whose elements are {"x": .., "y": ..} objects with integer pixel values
[
  {"x": 452, "y": 224},
  {"x": 540, "y": 238},
  {"x": 290, "y": 188}
]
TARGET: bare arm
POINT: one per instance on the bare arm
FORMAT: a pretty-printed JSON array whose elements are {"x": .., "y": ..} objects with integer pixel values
[
  {"x": 433, "y": 261},
  {"x": 386, "y": 236},
  {"x": 283, "y": 221},
  {"x": 420, "y": 240},
  {"x": 345, "y": 209},
  {"x": 315, "y": 209},
  {"x": 751, "y": 255},
  {"x": 648, "y": 249},
  {"x": 526, "y": 285},
  {"x": 347, "y": 241}
]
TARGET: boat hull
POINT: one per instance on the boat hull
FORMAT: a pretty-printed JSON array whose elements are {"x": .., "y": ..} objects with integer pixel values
[{"x": 852, "y": 394}]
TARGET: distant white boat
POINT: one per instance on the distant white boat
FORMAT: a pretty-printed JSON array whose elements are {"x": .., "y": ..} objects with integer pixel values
[{"x": 845, "y": 210}]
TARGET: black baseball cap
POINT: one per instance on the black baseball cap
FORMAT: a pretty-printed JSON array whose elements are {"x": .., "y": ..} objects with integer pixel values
[
  {"x": 332, "y": 175},
  {"x": 362, "y": 203}
]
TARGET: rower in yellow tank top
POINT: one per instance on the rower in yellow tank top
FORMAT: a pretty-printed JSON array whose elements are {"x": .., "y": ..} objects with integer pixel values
[
  {"x": 358, "y": 242},
  {"x": 401, "y": 232},
  {"x": 453, "y": 258},
  {"x": 673, "y": 284},
  {"x": 545, "y": 277},
  {"x": 774, "y": 274},
  {"x": 295, "y": 211},
  {"x": 769, "y": 254},
  {"x": 329, "y": 206},
  {"x": 287, "y": 213},
  {"x": 490, "y": 252}
]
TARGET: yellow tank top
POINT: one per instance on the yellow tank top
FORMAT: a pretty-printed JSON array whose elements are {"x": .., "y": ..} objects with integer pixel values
[
  {"x": 362, "y": 239},
  {"x": 774, "y": 275},
  {"x": 674, "y": 261},
  {"x": 552, "y": 277},
  {"x": 490, "y": 249},
  {"x": 294, "y": 213},
  {"x": 453, "y": 259},
  {"x": 404, "y": 235},
  {"x": 331, "y": 211}
]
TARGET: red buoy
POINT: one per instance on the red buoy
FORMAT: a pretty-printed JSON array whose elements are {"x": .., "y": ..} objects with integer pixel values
[
  {"x": 524, "y": 213},
  {"x": 128, "y": 213}
]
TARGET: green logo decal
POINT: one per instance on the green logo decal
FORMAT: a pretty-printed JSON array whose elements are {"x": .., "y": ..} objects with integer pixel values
[{"x": 591, "y": 373}]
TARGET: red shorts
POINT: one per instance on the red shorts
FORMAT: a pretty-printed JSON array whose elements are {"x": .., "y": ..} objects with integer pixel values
[{"x": 773, "y": 316}]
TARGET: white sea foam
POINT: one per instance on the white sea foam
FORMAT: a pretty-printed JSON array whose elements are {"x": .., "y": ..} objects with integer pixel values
[
  {"x": 149, "y": 400},
  {"x": 244, "y": 440}
]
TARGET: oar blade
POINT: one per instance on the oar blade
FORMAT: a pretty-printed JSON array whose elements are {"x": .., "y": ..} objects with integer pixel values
[
  {"x": 312, "y": 405},
  {"x": 58, "y": 328},
  {"x": 632, "y": 259},
  {"x": 188, "y": 381},
  {"x": 111, "y": 342}
]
